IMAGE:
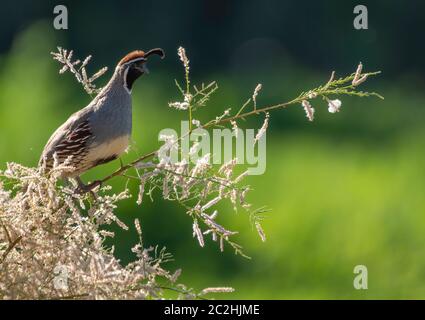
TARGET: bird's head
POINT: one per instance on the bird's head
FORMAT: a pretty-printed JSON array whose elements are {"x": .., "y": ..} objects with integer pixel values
[{"x": 133, "y": 65}]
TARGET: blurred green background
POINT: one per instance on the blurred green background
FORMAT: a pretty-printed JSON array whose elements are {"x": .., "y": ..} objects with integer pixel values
[{"x": 345, "y": 190}]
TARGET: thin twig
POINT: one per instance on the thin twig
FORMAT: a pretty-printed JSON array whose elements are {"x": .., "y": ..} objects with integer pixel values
[{"x": 9, "y": 248}]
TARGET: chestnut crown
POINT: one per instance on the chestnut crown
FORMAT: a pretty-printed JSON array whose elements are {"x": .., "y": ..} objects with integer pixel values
[{"x": 138, "y": 55}]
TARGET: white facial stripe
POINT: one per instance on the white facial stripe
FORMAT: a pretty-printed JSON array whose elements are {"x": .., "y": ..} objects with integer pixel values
[
  {"x": 125, "y": 81},
  {"x": 134, "y": 60}
]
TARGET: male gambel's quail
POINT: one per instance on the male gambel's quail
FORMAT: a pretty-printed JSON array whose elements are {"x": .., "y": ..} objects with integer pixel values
[{"x": 100, "y": 132}]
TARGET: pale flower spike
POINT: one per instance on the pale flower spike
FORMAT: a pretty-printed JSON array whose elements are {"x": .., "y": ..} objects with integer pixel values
[
  {"x": 255, "y": 94},
  {"x": 263, "y": 129},
  {"x": 309, "y": 110},
  {"x": 179, "y": 105},
  {"x": 358, "y": 79},
  {"x": 183, "y": 58}
]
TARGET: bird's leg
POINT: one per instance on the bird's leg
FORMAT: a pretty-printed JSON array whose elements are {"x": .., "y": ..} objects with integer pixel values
[
  {"x": 84, "y": 188},
  {"x": 121, "y": 163}
]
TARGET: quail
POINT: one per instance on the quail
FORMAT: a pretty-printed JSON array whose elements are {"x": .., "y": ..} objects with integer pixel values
[{"x": 100, "y": 132}]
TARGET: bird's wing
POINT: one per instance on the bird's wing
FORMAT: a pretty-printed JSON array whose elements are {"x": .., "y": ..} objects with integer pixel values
[{"x": 71, "y": 139}]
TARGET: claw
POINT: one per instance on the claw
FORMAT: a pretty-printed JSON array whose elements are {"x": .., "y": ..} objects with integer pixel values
[{"x": 84, "y": 188}]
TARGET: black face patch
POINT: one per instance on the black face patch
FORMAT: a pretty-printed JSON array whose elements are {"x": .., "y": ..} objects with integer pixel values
[{"x": 133, "y": 73}]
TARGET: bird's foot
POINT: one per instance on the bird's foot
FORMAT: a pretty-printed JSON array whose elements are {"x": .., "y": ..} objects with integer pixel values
[{"x": 84, "y": 188}]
